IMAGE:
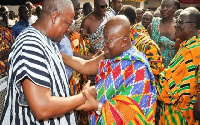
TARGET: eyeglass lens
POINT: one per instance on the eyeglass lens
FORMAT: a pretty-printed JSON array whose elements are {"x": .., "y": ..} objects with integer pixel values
[{"x": 103, "y": 6}]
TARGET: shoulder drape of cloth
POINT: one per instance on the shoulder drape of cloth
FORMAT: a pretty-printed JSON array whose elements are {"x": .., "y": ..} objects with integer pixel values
[
  {"x": 177, "y": 88},
  {"x": 126, "y": 86}
]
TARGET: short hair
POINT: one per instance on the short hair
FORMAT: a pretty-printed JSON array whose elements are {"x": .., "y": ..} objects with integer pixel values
[
  {"x": 194, "y": 15},
  {"x": 129, "y": 11},
  {"x": 50, "y": 6},
  {"x": 177, "y": 4},
  {"x": 21, "y": 8},
  {"x": 85, "y": 5}
]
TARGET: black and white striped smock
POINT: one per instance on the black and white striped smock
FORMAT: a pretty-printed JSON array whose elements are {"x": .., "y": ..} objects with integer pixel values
[{"x": 37, "y": 57}]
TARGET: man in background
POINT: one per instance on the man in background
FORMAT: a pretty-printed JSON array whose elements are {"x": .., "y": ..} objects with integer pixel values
[
  {"x": 146, "y": 19},
  {"x": 23, "y": 21}
]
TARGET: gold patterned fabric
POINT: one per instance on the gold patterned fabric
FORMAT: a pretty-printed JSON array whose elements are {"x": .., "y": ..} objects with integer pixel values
[
  {"x": 79, "y": 45},
  {"x": 177, "y": 88},
  {"x": 141, "y": 39}
]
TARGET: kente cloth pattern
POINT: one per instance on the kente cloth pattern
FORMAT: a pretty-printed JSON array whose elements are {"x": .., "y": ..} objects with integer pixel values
[
  {"x": 126, "y": 87},
  {"x": 6, "y": 41},
  {"x": 177, "y": 88},
  {"x": 166, "y": 46},
  {"x": 79, "y": 45},
  {"x": 96, "y": 38},
  {"x": 141, "y": 39}
]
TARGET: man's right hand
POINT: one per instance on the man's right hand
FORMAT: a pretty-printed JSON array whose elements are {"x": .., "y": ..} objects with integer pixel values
[{"x": 90, "y": 89}]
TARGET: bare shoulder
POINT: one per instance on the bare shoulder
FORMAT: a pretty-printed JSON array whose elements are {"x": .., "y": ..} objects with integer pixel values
[{"x": 88, "y": 19}]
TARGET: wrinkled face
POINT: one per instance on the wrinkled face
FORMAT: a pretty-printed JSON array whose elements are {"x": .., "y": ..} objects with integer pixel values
[
  {"x": 112, "y": 43},
  {"x": 183, "y": 26},
  {"x": 101, "y": 7},
  {"x": 62, "y": 24},
  {"x": 146, "y": 20},
  {"x": 117, "y": 4},
  {"x": 167, "y": 9},
  {"x": 139, "y": 14},
  {"x": 24, "y": 15}
]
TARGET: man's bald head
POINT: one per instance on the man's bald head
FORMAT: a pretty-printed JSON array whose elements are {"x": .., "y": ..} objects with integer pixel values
[
  {"x": 116, "y": 36},
  {"x": 118, "y": 25}
]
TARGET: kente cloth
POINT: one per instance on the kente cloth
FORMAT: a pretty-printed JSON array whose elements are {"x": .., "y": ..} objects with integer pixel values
[
  {"x": 141, "y": 39},
  {"x": 167, "y": 46},
  {"x": 126, "y": 87},
  {"x": 96, "y": 38},
  {"x": 177, "y": 88},
  {"x": 79, "y": 45},
  {"x": 6, "y": 41}
]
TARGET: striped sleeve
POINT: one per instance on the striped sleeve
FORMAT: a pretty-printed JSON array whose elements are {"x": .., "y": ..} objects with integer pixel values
[{"x": 30, "y": 61}]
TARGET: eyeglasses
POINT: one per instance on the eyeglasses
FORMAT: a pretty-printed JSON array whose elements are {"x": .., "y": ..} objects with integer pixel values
[
  {"x": 106, "y": 41},
  {"x": 180, "y": 22},
  {"x": 103, "y": 6}
]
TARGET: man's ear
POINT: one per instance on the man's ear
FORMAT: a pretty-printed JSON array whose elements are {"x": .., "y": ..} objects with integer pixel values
[
  {"x": 124, "y": 42},
  {"x": 193, "y": 26},
  {"x": 54, "y": 16}
]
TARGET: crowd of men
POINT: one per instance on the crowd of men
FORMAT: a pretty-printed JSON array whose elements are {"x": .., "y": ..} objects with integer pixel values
[{"x": 61, "y": 65}]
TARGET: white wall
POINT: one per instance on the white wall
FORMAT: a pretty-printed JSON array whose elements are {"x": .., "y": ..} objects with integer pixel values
[
  {"x": 83, "y": 1},
  {"x": 13, "y": 8}
]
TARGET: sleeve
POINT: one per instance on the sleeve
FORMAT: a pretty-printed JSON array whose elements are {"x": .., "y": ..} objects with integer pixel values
[
  {"x": 154, "y": 57},
  {"x": 32, "y": 63}
]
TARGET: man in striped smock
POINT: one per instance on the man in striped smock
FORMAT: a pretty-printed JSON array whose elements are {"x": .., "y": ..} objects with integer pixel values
[{"x": 38, "y": 90}]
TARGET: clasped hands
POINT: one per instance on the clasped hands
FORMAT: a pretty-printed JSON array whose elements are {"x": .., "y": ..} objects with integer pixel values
[{"x": 89, "y": 93}]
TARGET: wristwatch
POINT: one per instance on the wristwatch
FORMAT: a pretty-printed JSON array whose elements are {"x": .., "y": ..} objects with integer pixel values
[{"x": 98, "y": 111}]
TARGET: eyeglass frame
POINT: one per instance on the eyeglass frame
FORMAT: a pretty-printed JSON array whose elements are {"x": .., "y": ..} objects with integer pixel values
[
  {"x": 103, "y": 6},
  {"x": 106, "y": 41},
  {"x": 182, "y": 22}
]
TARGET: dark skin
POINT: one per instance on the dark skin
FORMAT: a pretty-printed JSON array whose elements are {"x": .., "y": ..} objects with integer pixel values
[
  {"x": 40, "y": 99},
  {"x": 116, "y": 5},
  {"x": 24, "y": 13},
  {"x": 146, "y": 19},
  {"x": 76, "y": 4},
  {"x": 117, "y": 30},
  {"x": 167, "y": 22},
  {"x": 139, "y": 12},
  {"x": 91, "y": 22},
  {"x": 196, "y": 109}
]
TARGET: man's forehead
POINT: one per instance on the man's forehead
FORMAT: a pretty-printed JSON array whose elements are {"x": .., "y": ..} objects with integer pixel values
[
  {"x": 184, "y": 15},
  {"x": 167, "y": 2},
  {"x": 102, "y": 2}
]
